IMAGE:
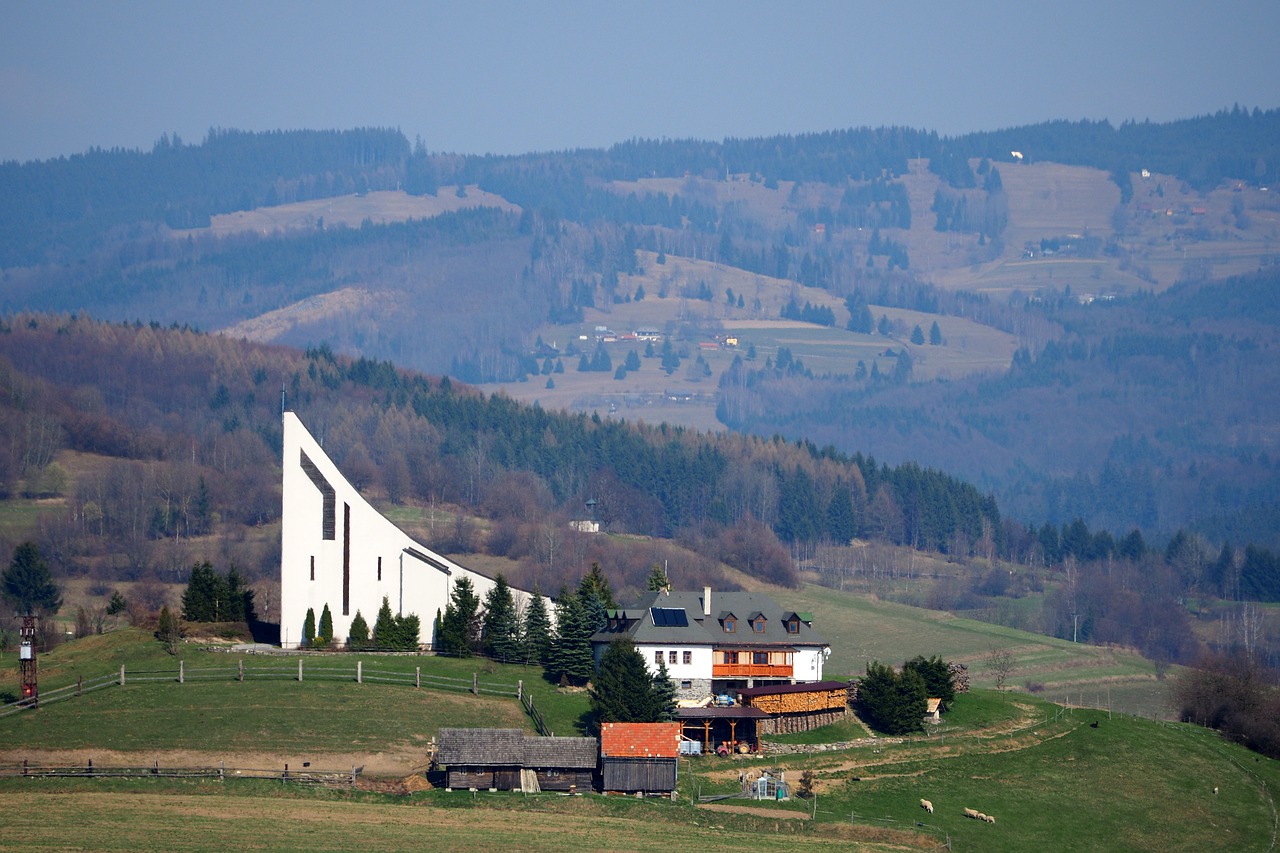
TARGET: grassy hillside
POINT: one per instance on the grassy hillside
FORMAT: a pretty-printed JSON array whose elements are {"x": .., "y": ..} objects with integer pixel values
[{"x": 1053, "y": 779}]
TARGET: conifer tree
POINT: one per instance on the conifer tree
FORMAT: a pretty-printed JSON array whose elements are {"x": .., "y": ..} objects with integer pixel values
[
  {"x": 664, "y": 695},
  {"x": 28, "y": 585},
  {"x": 570, "y": 660},
  {"x": 623, "y": 691},
  {"x": 384, "y": 627},
  {"x": 358, "y": 633},
  {"x": 205, "y": 598},
  {"x": 459, "y": 628},
  {"x": 309, "y": 628},
  {"x": 536, "y": 636},
  {"x": 501, "y": 640},
  {"x": 324, "y": 634}
]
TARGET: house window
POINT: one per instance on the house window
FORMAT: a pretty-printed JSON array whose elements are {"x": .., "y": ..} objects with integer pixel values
[
  {"x": 760, "y": 658},
  {"x": 758, "y": 625},
  {"x": 688, "y": 657},
  {"x": 379, "y": 568},
  {"x": 671, "y": 658},
  {"x": 730, "y": 657},
  {"x": 793, "y": 626},
  {"x": 313, "y": 567},
  {"x": 657, "y": 657},
  {"x": 729, "y": 626},
  {"x": 686, "y": 685}
]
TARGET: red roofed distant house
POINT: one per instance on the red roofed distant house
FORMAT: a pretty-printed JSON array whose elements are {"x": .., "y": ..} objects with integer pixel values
[{"x": 639, "y": 757}]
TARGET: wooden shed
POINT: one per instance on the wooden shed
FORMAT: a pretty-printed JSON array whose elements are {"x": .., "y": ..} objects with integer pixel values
[
  {"x": 798, "y": 707},
  {"x": 639, "y": 757},
  {"x": 511, "y": 760}
]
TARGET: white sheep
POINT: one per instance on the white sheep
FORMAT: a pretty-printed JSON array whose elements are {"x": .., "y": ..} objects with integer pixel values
[
  {"x": 927, "y": 806},
  {"x": 968, "y": 812},
  {"x": 988, "y": 818}
]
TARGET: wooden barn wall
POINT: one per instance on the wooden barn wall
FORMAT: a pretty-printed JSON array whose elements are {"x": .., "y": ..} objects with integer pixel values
[
  {"x": 504, "y": 779},
  {"x": 639, "y": 774},
  {"x": 561, "y": 780}
]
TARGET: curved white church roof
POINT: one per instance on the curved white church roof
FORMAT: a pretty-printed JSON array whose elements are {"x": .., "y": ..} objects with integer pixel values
[{"x": 336, "y": 549}]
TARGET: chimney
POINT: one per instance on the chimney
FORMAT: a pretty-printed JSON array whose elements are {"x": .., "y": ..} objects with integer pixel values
[{"x": 706, "y": 601}]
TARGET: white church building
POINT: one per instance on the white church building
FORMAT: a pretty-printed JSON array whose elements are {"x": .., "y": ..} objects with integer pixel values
[{"x": 336, "y": 549}]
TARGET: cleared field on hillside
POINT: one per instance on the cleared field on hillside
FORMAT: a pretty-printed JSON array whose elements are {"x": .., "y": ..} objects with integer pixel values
[
  {"x": 379, "y": 207},
  {"x": 687, "y": 397}
]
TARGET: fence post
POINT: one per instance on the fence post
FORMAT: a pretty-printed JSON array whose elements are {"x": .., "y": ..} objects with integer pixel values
[
  {"x": 299, "y": 669},
  {"x": 182, "y": 672},
  {"x": 475, "y": 683},
  {"x": 79, "y": 685},
  {"x": 359, "y": 672},
  {"x": 520, "y": 688},
  {"x": 242, "y": 669},
  {"x": 417, "y": 679},
  {"x": 121, "y": 675}
]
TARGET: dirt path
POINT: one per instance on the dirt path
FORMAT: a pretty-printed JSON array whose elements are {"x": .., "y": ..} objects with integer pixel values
[{"x": 389, "y": 764}]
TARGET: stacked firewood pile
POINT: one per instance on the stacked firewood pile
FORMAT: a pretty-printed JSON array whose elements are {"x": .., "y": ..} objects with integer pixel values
[{"x": 959, "y": 676}]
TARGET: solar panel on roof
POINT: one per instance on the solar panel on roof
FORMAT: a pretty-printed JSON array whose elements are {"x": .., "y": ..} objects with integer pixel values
[{"x": 669, "y": 617}]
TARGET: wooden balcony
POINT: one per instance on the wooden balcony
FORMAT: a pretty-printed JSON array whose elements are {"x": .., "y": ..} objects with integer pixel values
[{"x": 750, "y": 670}]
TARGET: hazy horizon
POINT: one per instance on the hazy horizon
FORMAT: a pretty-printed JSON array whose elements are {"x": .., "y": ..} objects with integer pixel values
[{"x": 512, "y": 78}]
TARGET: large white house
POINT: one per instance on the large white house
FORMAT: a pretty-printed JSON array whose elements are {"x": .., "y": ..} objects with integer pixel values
[
  {"x": 336, "y": 549},
  {"x": 712, "y": 644}
]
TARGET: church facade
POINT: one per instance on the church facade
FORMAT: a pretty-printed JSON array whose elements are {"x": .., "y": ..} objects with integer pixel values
[{"x": 337, "y": 549}]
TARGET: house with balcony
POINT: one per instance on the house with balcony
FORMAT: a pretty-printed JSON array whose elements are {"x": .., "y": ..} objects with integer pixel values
[{"x": 715, "y": 644}]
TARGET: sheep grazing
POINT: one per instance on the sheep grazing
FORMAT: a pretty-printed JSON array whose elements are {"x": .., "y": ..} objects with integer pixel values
[
  {"x": 986, "y": 817},
  {"x": 928, "y": 806},
  {"x": 968, "y": 812},
  {"x": 1215, "y": 790}
]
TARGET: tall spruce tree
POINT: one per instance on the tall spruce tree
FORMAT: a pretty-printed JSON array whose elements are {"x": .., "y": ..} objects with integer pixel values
[
  {"x": 459, "y": 628},
  {"x": 536, "y": 636},
  {"x": 622, "y": 691},
  {"x": 28, "y": 585},
  {"x": 570, "y": 660},
  {"x": 501, "y": 636}
]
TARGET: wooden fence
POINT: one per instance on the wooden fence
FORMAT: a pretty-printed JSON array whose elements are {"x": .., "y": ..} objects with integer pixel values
[
  {"x": 328, "y": 670},
  {"x": 305, "y": 776}
]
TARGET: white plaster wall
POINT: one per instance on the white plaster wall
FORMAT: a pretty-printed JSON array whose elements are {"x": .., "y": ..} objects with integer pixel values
[
  {"x": 807, "y": 664},
  {"x": 410, "y": 585},
  {"x": 700, "y": 667}
]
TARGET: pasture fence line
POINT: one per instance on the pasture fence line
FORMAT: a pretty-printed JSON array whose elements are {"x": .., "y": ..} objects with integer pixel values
[
  {"x": 327, "y": 670},
  {"x": 306, "y": 776}
]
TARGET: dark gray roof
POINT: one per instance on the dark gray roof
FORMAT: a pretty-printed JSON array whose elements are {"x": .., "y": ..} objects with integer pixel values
[
  {"x": 514, "y": 748},
  {"x": 561, "y": 751},
  {"x": 485, "y": 747},
  {"x": 637, "y": 622},
  {"x": 807, "y": 687}
]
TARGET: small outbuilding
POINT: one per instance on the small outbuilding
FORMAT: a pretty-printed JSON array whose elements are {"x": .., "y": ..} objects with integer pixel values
[
  {"x": 511, "y": 760},
  {"x": 639, "y": 758}
]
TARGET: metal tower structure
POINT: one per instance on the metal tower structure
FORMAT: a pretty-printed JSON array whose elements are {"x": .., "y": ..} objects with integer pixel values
[{"x": 27, "y": 662}]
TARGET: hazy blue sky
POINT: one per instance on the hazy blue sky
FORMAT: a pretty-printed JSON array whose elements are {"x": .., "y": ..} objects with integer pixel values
[{"x": 503, "y": 77}]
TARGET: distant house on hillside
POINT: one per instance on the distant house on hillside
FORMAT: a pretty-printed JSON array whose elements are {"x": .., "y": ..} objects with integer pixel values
[{"x": 715, "y": 644}]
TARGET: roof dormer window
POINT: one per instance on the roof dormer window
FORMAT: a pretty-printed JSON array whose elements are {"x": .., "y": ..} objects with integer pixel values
[
  {"x": 757, "y": 624},
  {"x": 730, "y": 625},
  {"x": 793, "y": 626}
]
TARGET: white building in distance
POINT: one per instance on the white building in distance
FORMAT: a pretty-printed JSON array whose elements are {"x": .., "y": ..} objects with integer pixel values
[{"x": 336, "y": 549}]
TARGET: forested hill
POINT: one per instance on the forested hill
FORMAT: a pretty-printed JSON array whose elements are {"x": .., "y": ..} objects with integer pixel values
[
  {"x": 59, "y": 210},
  {"x": 192, "y": 422}
]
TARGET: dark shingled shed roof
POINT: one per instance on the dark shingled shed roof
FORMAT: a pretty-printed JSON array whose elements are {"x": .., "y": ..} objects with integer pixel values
[{"x": 514, "y": 748}]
